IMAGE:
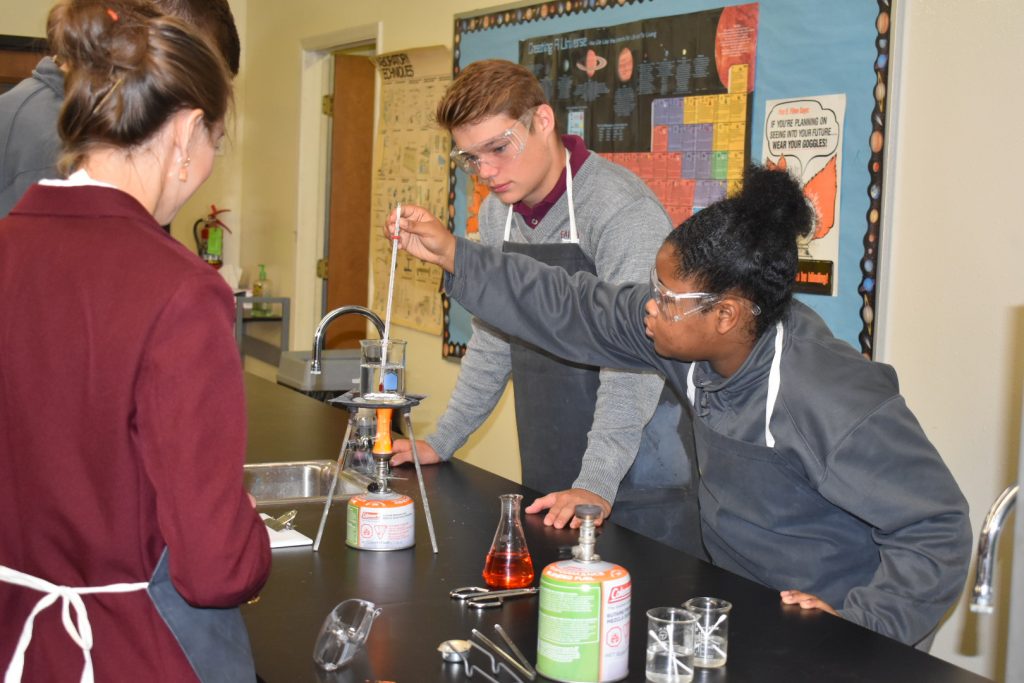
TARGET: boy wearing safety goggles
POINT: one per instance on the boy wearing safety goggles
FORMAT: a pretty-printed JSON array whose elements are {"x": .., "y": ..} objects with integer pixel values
[{"x": 586, "y": 435}]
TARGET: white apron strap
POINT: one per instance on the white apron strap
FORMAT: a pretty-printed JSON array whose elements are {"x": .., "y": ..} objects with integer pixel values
[
  {"x": 774, "y": 382},
  {"x": 80, "y": 630},
  {"x": 574, "y": 236},
  {"x": 691, "y": 388},
  {"x": 508, "y": 224}
]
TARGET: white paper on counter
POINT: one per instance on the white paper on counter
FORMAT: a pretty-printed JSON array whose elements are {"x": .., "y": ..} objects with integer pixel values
[{"x": 288, "y": 538}]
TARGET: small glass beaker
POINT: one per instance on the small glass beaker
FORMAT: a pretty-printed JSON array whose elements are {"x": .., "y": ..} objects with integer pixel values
[
  {"x": 508, "y": 563},
  {"x": 382, "y": 370},
  {"x": 343, "y": 633},
  {"x": 670, "y": 634},
  {"x": 711, "y": 637}
]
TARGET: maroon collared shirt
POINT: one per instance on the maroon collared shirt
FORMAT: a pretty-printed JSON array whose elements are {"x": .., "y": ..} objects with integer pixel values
[{"x": 578, "y": 154}]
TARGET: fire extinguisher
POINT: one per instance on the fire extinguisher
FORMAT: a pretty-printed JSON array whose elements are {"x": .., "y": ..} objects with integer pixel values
[{"x": 210, "y": 236}]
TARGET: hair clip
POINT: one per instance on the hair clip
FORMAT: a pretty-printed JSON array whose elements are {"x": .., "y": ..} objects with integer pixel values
[
  {"x": 107, "y": 95},
  {"x": 113, "y": 14}
]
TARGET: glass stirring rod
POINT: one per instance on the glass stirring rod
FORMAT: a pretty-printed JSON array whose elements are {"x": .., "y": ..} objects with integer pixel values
[{"x": 391, "y": 292}]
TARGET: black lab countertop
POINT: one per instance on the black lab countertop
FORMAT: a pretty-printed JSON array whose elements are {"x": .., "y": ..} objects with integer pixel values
[{"x": 768, "y": 642}]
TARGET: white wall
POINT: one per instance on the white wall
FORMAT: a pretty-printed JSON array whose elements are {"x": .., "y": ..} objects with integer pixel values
[
  {"x": 955, "y": 319},
  {"x": 954, "y": 308}
]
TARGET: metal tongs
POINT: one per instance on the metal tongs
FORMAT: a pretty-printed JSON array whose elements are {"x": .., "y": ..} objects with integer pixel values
[
  {"x": 281, "y": 523},
  {"x": 485, "y": 598},
  {"x": 519, "y": 665}
]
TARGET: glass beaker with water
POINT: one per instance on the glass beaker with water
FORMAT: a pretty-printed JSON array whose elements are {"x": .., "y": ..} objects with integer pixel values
[
  {"x": 711, "y": 635},
  {"x": 670, "y": 635},
  {"x": 508, "y": 563},
  {"x": 382, "y": 370}
]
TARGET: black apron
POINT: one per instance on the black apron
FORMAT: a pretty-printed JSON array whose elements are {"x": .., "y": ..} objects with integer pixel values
[
  {"x": 215, "y": 641},
  {"x": 555, "y": 402},
  {"x": 759, "y": 512}
]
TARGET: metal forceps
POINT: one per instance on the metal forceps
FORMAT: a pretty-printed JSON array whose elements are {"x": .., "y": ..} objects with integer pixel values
[{"x": 485, "y": 598}]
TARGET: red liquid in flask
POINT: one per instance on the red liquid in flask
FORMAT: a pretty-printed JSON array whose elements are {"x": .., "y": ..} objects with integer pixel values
[{"x": 508, "y": 569}]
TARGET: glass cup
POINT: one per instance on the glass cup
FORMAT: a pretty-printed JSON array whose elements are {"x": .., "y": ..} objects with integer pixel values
[
  {"x": 711, "y": 635},
  {"x": 670, "y": 636},
  {"x": 343, "y": 633},
  {"x": 382, "y": 370}
]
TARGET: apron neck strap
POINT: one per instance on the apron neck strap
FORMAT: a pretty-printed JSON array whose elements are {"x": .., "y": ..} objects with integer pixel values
[
  {"x": 574, "y": 236},
  {"x": 774, "y": 382}
]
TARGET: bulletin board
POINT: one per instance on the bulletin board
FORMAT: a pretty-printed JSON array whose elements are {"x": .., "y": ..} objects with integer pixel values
[
  {"x": 412, "y": 160},
  {"x": 686, "y": 92}
]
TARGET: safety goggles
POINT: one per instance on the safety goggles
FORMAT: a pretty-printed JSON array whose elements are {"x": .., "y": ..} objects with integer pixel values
[
  {"x": 498, "y": 151},
  {"x": 673, "y": 306}
]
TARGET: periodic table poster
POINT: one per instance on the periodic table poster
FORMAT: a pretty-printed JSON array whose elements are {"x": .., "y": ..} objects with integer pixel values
[{"x": 667, "y": 97}]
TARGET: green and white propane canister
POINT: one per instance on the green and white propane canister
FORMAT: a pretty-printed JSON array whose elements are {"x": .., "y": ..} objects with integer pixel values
[
  {"x": 583, "y": 632},
  {"x": 381, "y": 521}
]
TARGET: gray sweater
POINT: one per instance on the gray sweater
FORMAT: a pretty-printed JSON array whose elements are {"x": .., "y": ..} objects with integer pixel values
[
  {"x": 621, "y": 226},
  {"x": 853, "y": 503},
  {"x": 29, "y": 143}
]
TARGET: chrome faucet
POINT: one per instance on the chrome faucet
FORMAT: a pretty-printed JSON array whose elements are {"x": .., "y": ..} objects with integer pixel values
[
  {"x": 981, "y": 598},
  {"x": 318, "y": 336}
]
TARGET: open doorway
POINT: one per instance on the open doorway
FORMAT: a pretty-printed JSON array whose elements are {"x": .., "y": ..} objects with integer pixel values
[{"x": 313, "y": 217}]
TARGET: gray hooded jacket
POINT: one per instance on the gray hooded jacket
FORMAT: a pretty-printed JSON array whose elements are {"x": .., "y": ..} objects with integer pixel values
[
  {"x": 29, "y": 143},
  {"x": 853, "y": 503}
]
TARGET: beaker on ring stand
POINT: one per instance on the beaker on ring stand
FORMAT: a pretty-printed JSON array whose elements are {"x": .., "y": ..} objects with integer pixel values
[{"x": 508, "y": 563}]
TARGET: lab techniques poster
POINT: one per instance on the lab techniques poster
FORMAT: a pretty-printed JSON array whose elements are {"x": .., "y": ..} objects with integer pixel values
[
  {"x": 669, "y": 98},
  {"x": 805, "y": 137}
]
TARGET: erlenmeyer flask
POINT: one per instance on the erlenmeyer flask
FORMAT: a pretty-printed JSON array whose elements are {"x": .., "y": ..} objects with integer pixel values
[{"x": 508, "y": 563}]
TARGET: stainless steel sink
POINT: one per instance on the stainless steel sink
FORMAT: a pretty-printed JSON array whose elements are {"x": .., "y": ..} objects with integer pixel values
[
  {"x": 340, "y": 371},
  {"x": 306, "y": 481}
]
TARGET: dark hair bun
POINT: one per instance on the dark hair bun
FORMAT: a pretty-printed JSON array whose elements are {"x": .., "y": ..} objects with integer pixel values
[{"x": 775, "y": 200}]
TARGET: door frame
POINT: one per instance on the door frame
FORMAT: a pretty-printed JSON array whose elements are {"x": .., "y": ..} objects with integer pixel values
[
  {"x": 314, "y": 166},
  {"x": 18, "y": 57}
]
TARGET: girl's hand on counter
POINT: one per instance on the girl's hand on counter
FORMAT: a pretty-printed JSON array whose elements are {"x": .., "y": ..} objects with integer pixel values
[
  {"x": 561, "y": 506},
  {"x": 806, "y": 601},
  {"x": 403, "y": 452}
]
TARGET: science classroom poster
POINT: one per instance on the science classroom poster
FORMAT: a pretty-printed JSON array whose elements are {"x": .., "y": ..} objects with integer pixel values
[
  {"x": 805, "y": 137},
  {"x": 801, "y": 48},
  {"x": 412, "y": 167},
  {"x": 668, "y": 98}
]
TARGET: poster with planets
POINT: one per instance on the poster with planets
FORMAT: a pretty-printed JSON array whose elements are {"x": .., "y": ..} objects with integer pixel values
[
  {"x": 687, "y": 107},
  {"x": 667, "y": 98}
]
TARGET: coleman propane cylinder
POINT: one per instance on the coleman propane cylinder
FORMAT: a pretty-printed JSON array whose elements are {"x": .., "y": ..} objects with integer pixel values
[
  {"x": 583, "y": 632},
  {"x": 381, "y": 519}
]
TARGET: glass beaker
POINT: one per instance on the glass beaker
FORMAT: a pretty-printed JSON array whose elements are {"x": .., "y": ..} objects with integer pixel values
[
  {"x": 711, "y": 636},
  {"x": 669, "y": 645},
  {"x": 508, "y": 563},
  {"x": 382, "y": 370}
]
